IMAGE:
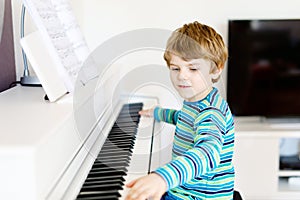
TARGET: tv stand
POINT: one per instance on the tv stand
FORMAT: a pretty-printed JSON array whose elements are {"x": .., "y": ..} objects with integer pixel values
[
  {"x": 257, "y": 159},
  {"x": 283, "y": 120}
]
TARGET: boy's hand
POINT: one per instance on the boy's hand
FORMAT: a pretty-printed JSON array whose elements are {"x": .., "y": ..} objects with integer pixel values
[
  {"x": 151, "y": 186},
  {"x": 147, "y": 112}
]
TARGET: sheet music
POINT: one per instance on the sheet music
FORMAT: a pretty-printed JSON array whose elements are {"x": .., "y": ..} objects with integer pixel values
[{"x": 57, "y": 23}]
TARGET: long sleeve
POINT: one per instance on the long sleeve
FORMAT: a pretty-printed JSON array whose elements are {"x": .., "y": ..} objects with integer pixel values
[
  {"x": 166, "y": 115},
  {"x": 203, "y": 157}
]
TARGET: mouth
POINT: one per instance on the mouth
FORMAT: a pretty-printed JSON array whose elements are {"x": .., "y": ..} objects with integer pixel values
[{"x": 183, "y": 86}]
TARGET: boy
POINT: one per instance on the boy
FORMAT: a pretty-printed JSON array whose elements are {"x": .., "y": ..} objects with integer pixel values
[{"x": 201, "y": 166}]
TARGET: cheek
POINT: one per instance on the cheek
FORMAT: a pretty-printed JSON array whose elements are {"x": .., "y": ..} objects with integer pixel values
[
  {"x": 202, "y": 79},
  {"x": 199, "y": 84},
  {"x": 173, "y": 78}
]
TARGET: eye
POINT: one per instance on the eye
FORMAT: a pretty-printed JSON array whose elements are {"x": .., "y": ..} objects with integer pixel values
[
  {"x": 193, "y": 69},
  {"x": 174, "y": 68}
]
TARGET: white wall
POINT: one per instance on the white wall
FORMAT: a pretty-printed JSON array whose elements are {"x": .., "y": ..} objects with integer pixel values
[{"x": 102, "y": 19}]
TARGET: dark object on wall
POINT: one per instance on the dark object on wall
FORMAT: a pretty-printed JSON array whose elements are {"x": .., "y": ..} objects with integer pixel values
[
  {"x": 264, "y": 68},
  {"x": 7, "y": 58}
]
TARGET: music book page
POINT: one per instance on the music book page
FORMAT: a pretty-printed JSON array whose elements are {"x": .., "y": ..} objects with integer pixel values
[{"x": 63, "y": 39}]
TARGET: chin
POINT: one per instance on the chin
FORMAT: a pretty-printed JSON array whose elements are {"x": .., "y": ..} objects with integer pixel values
[{"x": 187, "y": 98}]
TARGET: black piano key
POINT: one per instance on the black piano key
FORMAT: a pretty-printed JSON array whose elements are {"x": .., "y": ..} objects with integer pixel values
[
  {"x": 117, "y": 140},
  {"x": 114, "y": 154},
  {"x": 123, "y": 130},
  {"x": 116, "y": 149},
  {"x": 140, "y": 104},
  {"x": 106, "y": 197},
  {"x": 128, "y": 116},
  {"x": 119, "y": 148},
  {"x": 107, "y": 173},
  {"x": 108, "y": 167},
  {"x": 133, "y": 119},
  {"x": 98, "y": 194},
  {"x": 105, "y": 157},
  {"x": 121, "y": 137},
  {"x": 123, "y": 147},
  {"x": 125, "y": 124},
  {"x": 96, "y": 187},
  {"x": 105, "y": 177},
  {"x": 101, "y": 181},
  {"x": 110, "y": 163},
  {"x": 108, "y": 159},
  {"x": 111, "y": 145},
  {"x": 127, "y": 120},
  {"x": 112, "y": 160},
  {"x": 117, "y": 133},
  {"x": 131, "y": 108},
  {"x": 128, "y": 124},
  {"x": 119, "y": 143},
  {"x": 126, "y": 138},
  {"x": 131, "y": 111}
]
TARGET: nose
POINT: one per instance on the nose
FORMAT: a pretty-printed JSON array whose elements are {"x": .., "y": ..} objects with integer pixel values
[{"x": 183, "y": 74}]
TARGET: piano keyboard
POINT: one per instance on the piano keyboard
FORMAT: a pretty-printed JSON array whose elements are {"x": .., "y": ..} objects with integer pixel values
[{"x": 109, "y": 171}]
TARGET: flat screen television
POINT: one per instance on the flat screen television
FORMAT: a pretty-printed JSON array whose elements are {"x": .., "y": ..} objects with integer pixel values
[{"x": 264, "y": 68}]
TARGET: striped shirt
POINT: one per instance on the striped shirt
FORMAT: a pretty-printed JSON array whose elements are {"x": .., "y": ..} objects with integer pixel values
[{"x": 201, "y": 166}]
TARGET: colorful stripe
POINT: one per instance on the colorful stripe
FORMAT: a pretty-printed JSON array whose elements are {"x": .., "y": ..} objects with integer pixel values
[{"x": 201, "y": 166}]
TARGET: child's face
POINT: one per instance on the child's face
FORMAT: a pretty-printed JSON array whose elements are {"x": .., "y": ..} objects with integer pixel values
[{"x": 192, "y": 79}]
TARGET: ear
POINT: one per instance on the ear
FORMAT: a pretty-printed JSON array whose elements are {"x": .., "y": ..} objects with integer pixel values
[{"x": 216, "y": 73}]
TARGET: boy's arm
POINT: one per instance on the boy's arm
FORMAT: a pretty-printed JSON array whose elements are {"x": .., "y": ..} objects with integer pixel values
[
  {"x": 166, "y": 115},
  {"x": 202, "y": 158}
]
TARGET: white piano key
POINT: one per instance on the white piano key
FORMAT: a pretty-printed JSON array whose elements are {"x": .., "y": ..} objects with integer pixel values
[{"x": 140, "y": 160}]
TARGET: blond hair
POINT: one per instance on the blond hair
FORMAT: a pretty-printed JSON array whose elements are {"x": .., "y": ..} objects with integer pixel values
[{"x": 194, "y": 41}]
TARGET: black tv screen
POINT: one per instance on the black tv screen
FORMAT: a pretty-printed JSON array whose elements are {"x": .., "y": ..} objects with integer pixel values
[{"x": 264, "y": 67}]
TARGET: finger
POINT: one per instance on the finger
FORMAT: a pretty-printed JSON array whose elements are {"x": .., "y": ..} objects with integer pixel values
[
  {"x": 141, "y": 112},
  {"x": 144, "y": 112},
  {"x": 138, "y": 191},
  {"x": 132, "y": 194},
  {"x": 148, "y": 192},
  {"x": 131, "y": 183},
  {"x": 140, "y": 194}
]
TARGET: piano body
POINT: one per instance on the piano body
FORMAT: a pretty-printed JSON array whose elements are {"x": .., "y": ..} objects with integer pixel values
[{"x": 47, "y": 149}]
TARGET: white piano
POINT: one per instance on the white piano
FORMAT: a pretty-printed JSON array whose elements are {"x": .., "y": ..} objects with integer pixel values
[{"x": 47, "y": 149}]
